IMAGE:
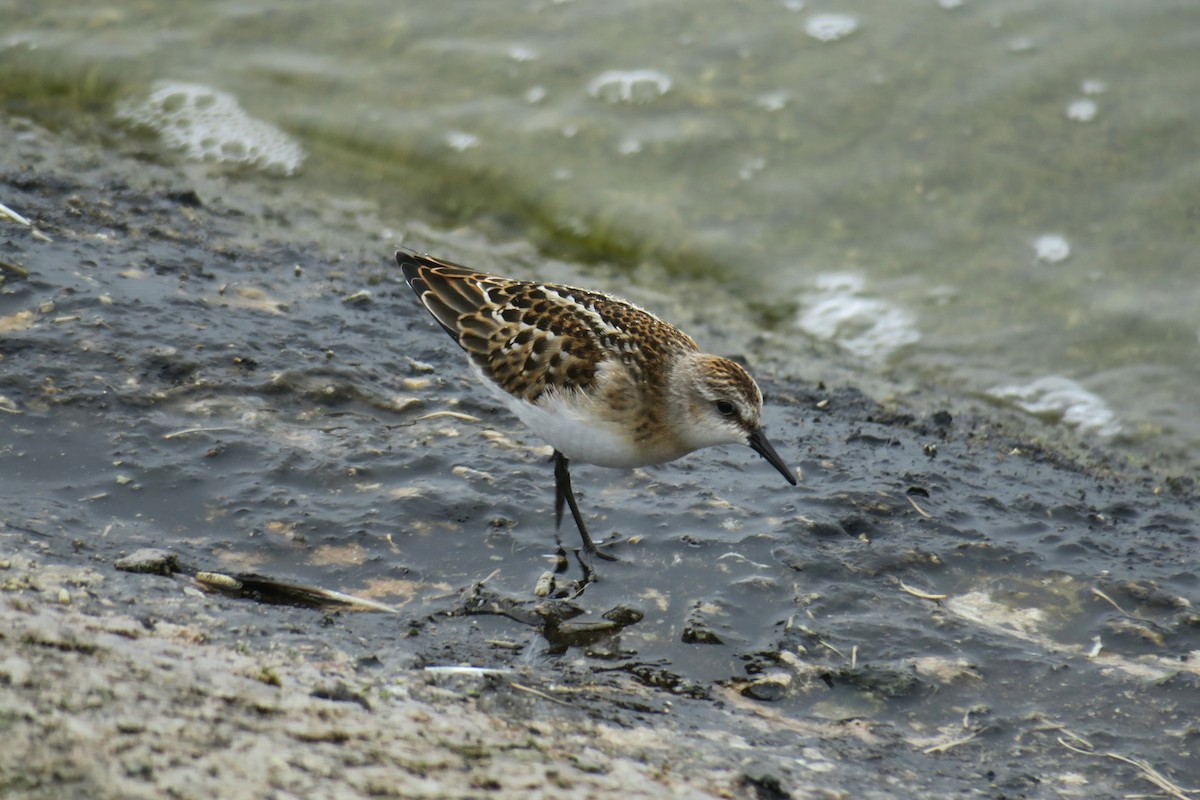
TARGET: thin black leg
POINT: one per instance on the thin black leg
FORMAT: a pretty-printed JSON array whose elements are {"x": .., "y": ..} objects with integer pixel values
[
  {"x": 560, "y": 494},
  {"x": 563, "y": 492}
]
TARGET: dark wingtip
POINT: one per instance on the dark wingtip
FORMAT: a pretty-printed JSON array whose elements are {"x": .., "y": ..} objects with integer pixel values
[
  {"x": 434, "y": 284},
  {"x": 411, "y": 262}
]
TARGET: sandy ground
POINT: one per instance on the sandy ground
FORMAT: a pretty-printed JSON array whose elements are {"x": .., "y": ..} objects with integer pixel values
[{"x": 95, "y": 703}]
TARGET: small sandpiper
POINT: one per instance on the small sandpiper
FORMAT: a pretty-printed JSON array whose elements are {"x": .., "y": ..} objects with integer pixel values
[{"x": 596, "y": 377}]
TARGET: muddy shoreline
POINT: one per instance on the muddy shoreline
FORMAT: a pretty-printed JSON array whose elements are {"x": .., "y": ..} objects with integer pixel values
[{"x": 118, "y": 684}]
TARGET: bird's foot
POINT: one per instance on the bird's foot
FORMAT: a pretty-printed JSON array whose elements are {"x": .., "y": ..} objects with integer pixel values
[
  {"x": 598, "y": 553},
  {"x": 593, "y": 550}
]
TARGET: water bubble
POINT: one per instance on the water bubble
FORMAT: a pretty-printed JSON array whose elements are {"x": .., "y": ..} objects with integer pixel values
[
  {"x": 629, "y": 86},
  {"x": 535, "y": 94},
  {"x": 208, "y": 125},
  {"x": 1052, "y": 248},
  {"x": 950, "y": 3},
  {"x": 830, "y": 27}
]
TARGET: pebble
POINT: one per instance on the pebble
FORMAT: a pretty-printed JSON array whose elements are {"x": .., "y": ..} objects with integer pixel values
[{"x": 149, "y": 560}]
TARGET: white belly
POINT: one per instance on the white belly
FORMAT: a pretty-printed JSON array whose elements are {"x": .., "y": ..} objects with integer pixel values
[{"x": 578, "y": 435}]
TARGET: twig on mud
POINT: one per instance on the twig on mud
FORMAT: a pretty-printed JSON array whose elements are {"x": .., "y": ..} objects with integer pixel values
[
  {"x": 504, "y": 643},
  {"x": 1148, "y": 772},
  {"x": 941, "y": 748},
  {"x": 269, "y": 590},
  {"x": 451, "y": 414},
  {"x": 918, "y": 593},
  {"x": 15, "y": 269},
  {"x": 917, "y": 508},
  {"x": 8, "y": 213},
  {"x": 5, "y": 211},
  {"x": 1113, "y": 603},
  {"x": 1082, "y": 741},
  {"x": 539, "y": 693},
  {"x": 460, "y": 669},
  {"x": 190, "y": 431},
  {"x": 824, "y": 643}
]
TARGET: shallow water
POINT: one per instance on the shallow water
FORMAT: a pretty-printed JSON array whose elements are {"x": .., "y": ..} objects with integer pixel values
[{"x": 993, "y": 198}]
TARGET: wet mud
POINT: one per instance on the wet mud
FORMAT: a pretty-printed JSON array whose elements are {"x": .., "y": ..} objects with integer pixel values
[{"x": 943, "y": 608}]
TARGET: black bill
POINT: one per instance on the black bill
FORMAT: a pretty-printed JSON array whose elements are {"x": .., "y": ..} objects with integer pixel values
[{"x": 758, "y": 442}]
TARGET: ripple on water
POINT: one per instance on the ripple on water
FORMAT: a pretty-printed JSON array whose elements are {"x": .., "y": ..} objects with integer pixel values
[
  {"x": 208, "y": 125},
  {"x": 864, "y": 326},
  {"x": 1063, "y": 400}
]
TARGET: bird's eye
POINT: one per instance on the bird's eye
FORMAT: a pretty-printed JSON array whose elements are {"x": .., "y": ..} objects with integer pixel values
[{"x": 725, "y": 408}]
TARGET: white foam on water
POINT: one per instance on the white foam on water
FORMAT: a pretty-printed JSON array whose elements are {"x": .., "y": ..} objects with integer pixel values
[
  {"x": 521, "y": 53},
  {"x": 751, "y": 167},
  {"x": 629, "y": 86},
  {"x": 830, "y": 27},
  {"x": 1082, "y": 110},
  {"x": 1052, "y": 248},
  {"x": 629, "y": 147},
  {"x": 866, "y": 327},
  {"x": 206, "y": 124},
  {"x": 1063, "y": 400},
  {"x": 772, "y": 101},
  {"x": 461, "y": 140}
]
